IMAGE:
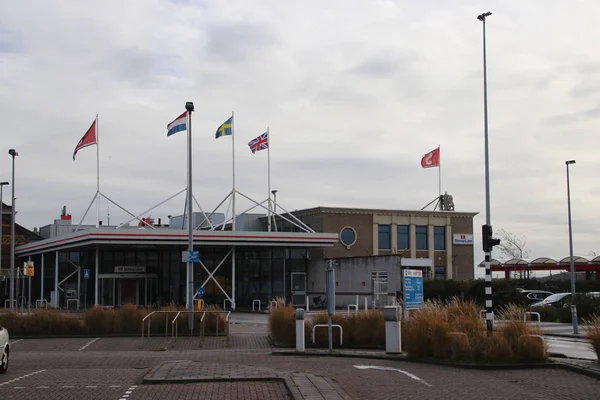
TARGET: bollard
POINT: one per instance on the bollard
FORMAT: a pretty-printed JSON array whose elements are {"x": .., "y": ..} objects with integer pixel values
[
  {"x": 300, "y": 338},
  {"x": 393, "y": 336}
]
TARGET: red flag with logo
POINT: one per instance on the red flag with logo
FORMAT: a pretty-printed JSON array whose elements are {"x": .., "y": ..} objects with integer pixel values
[
  {"x": 87, "y": 140},
  {"x": 431, "y": 159}
]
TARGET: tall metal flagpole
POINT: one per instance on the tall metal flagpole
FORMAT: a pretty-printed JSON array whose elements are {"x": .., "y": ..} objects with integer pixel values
[
  {"x": 233, "y": 212},
  {"x": 440, "y": 168},
  {"x": 97, "y": 174},
  {"x": 189, "y": 106},
  {"x": 269, "y": 177}
]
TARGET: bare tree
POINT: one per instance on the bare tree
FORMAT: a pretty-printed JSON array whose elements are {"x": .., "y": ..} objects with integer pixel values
[{"x": 513, "y": 246}]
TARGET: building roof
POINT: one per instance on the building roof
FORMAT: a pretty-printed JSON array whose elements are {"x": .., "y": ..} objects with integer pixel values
[
  {"x": 358, "y": 211},
  {"x": 176, "y": 237},
  {"x": 541, "y": 261}
]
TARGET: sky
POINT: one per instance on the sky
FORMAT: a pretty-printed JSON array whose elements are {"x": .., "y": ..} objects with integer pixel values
[{"x": 354, "y": 93}]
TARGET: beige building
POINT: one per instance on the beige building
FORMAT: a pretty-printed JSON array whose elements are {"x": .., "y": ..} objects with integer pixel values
[{"x": 445, "y": 237}]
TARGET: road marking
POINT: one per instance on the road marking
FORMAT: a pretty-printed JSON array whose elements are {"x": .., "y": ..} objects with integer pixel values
[
  {"x": 42, "y": 387},
  {"x": 19, "y": 387},
  {"x": 21, "y": 377},
  {"x": 91, "y": 387},
  {"x": 128, "y": 392},
  {"x": 15, "y": 341},
  {"x": 67, "y": 387},
  {"x": 87, "y": 344},
  {"x": 412, "y": 376},
  {"x": 115, "y": 386}
]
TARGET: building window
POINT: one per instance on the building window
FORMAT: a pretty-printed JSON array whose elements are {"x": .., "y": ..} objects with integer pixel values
[
  {"x": 403, "y": 242},
  {"x": 384, "y": 237},
  {"x": 421, "y": 237},
  {"x": 439, "y": 237},
  {"x": 348, "y": 236},
  {"x": 440, "y": 272}
]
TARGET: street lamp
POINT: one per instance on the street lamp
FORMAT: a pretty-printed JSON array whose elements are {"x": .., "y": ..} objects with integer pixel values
[
  {"x": 573, "y": 305},
  {"x": 488, "y": 241},
  {"x": 13, "y": 154}
]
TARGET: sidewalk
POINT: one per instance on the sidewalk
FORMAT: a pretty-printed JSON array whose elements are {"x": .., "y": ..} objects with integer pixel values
[{"x": 562, "y": 330}]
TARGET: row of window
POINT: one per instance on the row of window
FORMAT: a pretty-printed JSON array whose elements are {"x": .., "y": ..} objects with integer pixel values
[{"x": 403, "y": 237}]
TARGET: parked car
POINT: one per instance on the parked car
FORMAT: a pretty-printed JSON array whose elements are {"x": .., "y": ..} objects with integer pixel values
[
  {"x": 595, "y": 295},
  {"x": 555, "y": 300},
  {"x": 4, "y": 350},
  {"x": 534, "y": 296}
]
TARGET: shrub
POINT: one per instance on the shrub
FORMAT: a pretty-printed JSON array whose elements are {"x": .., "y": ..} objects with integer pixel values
[
  {"x": 498, "y": 349},
  {"x": 593, "y": 333},
  {"x": 531, "y": 349},
  {"x": 282, "y": 324},
  {"x": 41, "y": 323},
  {"x": 417, "y": 331}
]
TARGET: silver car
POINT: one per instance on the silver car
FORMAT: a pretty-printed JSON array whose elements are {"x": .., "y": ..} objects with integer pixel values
[{"x": 4, "y": 350}]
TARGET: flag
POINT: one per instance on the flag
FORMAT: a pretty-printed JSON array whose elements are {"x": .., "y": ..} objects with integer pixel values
[
  {"x": 87, "y": 140},
  {"x": 180, "y": 124},
  {"x": 224, "y": 129},
  {"x": 431, "y": 159},
  {"x": 259, "y": 143}
]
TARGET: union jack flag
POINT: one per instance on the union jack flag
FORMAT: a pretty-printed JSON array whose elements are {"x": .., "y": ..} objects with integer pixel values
[{"x": 259, "y": 143}]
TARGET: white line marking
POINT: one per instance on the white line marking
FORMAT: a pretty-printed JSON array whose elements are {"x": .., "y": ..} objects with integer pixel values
[
  {"x": 67, "y": 387},
  {"x": 412, "y": 376},
  {"x": 127, "y": 393},
  {"x": 86, "y": 345},
  {"x": 91, "y": 387},
  {"x": 42, "y": 387},
  {"x": 21, "y": 377},
  {"x": 115, "y": 386},
  {"x": 15, "y": 341},
  {"x": 19, "y": 387}
]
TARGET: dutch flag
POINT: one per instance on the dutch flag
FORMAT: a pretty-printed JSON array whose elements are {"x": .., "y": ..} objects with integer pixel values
[{"x": 180, "y": 124}]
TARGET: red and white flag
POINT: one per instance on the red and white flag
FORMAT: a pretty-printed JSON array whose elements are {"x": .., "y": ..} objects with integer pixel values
[
  {"x": 87, "y": 140},
  {"x": 431, "y": 159}
]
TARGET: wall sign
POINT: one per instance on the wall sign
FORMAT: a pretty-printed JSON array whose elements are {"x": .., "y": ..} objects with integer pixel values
[
  {"x": 131, "y": 270},
  {"x": 462, "y": 238}
]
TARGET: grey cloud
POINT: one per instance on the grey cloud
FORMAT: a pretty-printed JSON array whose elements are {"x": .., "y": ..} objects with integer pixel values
[{"x": 236, "y": 41}]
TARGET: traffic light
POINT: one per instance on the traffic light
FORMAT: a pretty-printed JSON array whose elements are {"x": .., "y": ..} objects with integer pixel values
[{"x": 488, "y": 241}]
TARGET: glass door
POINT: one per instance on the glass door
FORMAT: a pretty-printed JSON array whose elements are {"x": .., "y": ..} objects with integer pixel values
[
  {"x": 107, "y": 292},
  {"x": 299, "y": 288}
]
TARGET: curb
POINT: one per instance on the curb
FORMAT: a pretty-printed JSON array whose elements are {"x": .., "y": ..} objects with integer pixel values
[{"x": 488, "y": 367}]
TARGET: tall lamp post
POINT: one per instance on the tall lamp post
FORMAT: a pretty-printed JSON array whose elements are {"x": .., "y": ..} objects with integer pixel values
[
  {"x": 573, "y": 305},
  {"x": 13, "y": 154},
  {"x": 2, "y": 184},
  {"x": 487, "y": 240}
]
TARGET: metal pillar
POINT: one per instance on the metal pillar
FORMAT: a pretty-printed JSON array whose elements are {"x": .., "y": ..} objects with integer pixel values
[
  {"x": 56, "y": 262},
  {"x": 572, "y": 263}
]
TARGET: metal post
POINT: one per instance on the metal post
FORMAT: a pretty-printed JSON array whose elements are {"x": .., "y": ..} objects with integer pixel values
[
  {"x": 573, "y": 305},
  {"x": 189, "y": 106},
  {"x": 489, "y": 312},
  {"x": 274, "y": 207},
  {"x": 56, "y": 262},
  {"x": 42, "y": 277},
  {"x": 96, "y": 273},
  {"x": 13, "y": 153}
]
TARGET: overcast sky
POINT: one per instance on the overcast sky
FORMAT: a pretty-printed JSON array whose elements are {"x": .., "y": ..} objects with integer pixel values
[{"x": 354, "y": 93}]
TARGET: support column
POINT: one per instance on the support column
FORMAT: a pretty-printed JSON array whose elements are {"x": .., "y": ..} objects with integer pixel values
[
  {"x": 375, "y": 238},
  {"x": 42, "y": 277},
  {"x": 394, "y": 237},
  {"x": 96, "y": 273},
  {"x": 449, "y": 255},
  {"x": 233, "y": 279},
  {"x": 412, "y": 231},
  {"x": 56, "y": 262},
  {"x": 430, "y": 248}
]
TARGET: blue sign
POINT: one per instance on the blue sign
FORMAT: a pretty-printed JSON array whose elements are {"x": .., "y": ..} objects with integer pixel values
[
  {"x": 86, "y": 274},
  {"x": 412, "y": 282},
  {"x": 194, "y": 256},
  {"x": 200, "y": 292},
  {"x": 190, "y": 256}
]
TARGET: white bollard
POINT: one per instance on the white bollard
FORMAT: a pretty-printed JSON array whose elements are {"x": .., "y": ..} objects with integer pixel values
[
  {"x": 300, "y": 345},
  {"x": 365, "y": 304},
  {"x": 307, "y": 307},
  {"x": 392, "y": 316}
]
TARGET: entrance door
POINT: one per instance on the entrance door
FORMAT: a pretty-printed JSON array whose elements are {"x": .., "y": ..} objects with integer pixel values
[
  {"x": 128, "y": 291},
  {"x": 299, "y": 288},
  {"x": 107, "y": 292}
]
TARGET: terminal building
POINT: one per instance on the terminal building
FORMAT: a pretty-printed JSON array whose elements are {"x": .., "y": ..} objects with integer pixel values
[{"x": 109, "y": 266}]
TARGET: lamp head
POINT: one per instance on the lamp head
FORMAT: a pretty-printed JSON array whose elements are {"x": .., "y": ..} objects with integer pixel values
[
  {"x": 483, "y": 16},
  {"x": 13, "y": 153},
  {"x": 189, "y": 106},
  {"x": 274, "y": 191},
  {"x": 3, "y": 183},
  {"x": 570, "y": 162}
]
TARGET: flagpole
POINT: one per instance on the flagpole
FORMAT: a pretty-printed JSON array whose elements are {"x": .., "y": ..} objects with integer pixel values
[
  {"x": 233, "y": 169},
  {"x": 189, "y": 106},
  {"x": 440, "y": 168},
  {"x": 269, "y": 177},
  {"x": 97, "y": 174}
]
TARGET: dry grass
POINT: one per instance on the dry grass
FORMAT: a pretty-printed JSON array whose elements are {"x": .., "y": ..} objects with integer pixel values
[
  {"x": 454, "y": 330},
  {"x": 46, "y": 322},
  {"x": 282, "y": 324},
  {"x": 280, "y": 301},
  {"x": 593, "y": 333}
]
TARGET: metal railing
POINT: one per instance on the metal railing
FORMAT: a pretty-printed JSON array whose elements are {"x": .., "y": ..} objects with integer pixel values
[
  {"x": 39, "y": 303},
  {"x": 325, "y": 326},
  {"x": 531, "y": 313},
  {"x": 256, "y": 301}
]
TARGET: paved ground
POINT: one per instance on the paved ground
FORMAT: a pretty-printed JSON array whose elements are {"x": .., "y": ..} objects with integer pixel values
[{"x": 122, "y": 368}]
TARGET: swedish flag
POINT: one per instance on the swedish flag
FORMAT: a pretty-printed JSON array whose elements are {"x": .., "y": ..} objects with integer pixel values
[{"x": 224, "y": 129}]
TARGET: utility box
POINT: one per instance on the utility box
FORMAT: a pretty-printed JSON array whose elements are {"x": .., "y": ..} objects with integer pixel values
[{"x": 392, "y": 315}]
